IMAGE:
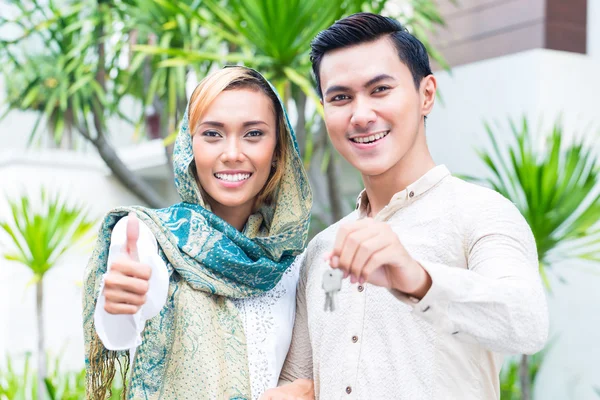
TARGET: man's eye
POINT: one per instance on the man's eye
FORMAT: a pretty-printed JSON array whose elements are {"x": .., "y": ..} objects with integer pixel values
[
  {"x": 340, "y": 97},
  {"x": 380, "y": 89}
]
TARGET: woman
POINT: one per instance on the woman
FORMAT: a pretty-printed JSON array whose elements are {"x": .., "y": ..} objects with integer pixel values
[{"x": 201, "y": 294}]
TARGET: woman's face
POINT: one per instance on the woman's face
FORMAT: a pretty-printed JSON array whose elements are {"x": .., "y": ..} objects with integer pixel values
[{"x": 233, "y": 146}]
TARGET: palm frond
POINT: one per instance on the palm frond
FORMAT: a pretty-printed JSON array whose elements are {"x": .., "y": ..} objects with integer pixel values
[
  {"x": 555, "y": 185},
  {"x": 39, "y": 232}
]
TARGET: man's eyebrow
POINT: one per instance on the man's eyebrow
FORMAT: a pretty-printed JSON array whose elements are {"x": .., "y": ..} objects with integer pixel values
[
  {"x": 378, "y": 78},
  {"x": 336, "y": 88},
  {"x": 370, "y": 82}
]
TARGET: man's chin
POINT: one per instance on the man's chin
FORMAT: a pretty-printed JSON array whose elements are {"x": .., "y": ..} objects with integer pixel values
[{"x": 371, "y": 169}]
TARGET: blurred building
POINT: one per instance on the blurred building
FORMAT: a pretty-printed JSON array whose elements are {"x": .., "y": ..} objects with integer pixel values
[{"x": 539, "y": 59}]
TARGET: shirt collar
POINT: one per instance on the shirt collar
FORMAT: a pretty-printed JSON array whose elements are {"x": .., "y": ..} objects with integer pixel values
[{"x": 412, "y": 192}]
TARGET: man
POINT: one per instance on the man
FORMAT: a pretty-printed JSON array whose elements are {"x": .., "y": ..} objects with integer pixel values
[{"x": 442, "y": 275}]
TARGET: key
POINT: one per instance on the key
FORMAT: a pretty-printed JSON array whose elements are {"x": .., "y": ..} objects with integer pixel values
[{"x": 332, "y": 283}]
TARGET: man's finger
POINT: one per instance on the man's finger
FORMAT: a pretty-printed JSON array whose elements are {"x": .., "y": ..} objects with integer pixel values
[
  {"x": 373, "y": 266},
  {"x": 344, "y": 231},
  {"x": 368, "y": 247},
  {"x": 352, "y": 244},
  {"x": 133, "y": 234}
]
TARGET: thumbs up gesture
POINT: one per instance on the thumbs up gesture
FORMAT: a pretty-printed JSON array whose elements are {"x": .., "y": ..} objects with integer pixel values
[{"x": 126, "y": 283}]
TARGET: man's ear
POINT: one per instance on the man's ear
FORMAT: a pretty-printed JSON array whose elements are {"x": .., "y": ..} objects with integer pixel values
[{"x": 427, "y": 91}]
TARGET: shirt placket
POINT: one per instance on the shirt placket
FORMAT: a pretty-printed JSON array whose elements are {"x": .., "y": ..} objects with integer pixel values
[
  {"x": 354, "y": 333},
  {"x": 354, "y": 339}
]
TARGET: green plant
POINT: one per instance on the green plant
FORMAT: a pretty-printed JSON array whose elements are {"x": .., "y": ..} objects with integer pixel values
[
  {"x": 12, "y": 384},
  {"x": 60, "y": 384},
  {"x": 510, "y": 388},
  {"x": 555, "y": 186},
  {"x": 85, "y": 57},
  {"x": 39, "y": 232},
  {"x": 67, "y": 65}
]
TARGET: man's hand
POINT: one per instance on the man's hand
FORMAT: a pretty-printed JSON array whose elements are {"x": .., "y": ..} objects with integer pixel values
[
  {"x": 300, "y": 389},
  {"x": 370, "y": 251},
  {"x": 126, "y": 284}
]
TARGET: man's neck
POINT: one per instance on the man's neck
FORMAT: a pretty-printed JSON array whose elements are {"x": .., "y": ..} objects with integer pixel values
[{"x": 381, "y": 188}]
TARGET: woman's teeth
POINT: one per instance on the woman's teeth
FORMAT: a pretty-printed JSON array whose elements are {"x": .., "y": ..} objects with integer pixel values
[
  {"x": 232, "y": 177},
  {"x": 371, "y": 138}
]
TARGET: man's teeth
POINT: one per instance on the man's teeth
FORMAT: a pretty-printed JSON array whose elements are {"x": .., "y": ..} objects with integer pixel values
[
  {"x": 371, "y": 138},
  {"x": 232, "y": 177}
]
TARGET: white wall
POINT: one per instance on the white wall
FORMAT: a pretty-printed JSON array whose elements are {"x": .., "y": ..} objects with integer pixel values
[
  {"x": 593, "y": 28},
  {"x": 538, "y": 84}
]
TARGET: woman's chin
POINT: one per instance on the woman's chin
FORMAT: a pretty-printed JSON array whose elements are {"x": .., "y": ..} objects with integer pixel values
[{"x": 232, "y": 202}]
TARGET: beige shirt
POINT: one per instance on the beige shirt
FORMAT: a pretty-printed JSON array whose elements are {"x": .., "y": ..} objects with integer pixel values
[{"x": 486, "y": 299}]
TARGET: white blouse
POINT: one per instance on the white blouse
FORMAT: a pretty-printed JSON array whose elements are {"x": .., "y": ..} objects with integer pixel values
[{"x": 268, "y": 319}]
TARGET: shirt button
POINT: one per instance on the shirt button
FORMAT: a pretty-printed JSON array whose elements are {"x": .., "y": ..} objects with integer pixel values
[
  {"x": 354, "y": 339},
  {"x": 348, "y": 389},
  {"x": 361, "y": 288},
  {"x": 411, "y": 194}
]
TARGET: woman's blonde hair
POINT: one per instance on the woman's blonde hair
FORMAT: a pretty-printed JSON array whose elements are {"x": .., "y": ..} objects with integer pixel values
[{"x": 236, "y": 77}]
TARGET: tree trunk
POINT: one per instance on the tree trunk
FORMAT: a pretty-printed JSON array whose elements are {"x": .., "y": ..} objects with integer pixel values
[
  {"x": 333, "y": 189},
  {"x": 132, "y": 182},
  {"x": 41, "y": 356},
  {"x": 300, "y": 130},
  {"x": 524, "y": 378}
]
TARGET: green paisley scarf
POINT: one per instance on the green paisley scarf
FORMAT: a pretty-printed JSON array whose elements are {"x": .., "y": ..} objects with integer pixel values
[{"x": 196, "y": 347}]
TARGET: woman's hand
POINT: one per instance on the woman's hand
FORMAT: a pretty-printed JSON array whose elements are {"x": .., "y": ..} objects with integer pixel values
[
  {"x": 300, "y": 389},
  {"x": 126, "y": 283}
]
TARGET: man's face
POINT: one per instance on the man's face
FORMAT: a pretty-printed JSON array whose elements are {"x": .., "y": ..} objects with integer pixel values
[{"x": 373, "y": 111}]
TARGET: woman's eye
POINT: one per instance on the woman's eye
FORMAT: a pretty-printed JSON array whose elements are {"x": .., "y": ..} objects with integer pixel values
[
  {"x": 254, "y": 134},
  {"x": 211, "y": 134}
]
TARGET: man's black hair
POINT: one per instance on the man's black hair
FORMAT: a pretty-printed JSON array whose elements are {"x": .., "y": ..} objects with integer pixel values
[{"x": 366, "y": 27}]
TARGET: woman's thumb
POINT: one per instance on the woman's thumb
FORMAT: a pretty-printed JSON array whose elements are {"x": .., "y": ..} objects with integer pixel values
[{"x": 132, "y": 234}]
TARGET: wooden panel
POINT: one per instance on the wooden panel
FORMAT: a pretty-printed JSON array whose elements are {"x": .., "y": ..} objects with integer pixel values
[
  {"x": 448, "y": 8},
  {"x": 566, "y": 25},
  {"x": 571, "y": 11},
  {"x": 513, "y": 41},
  {"x": 480, "y": 29},
  {"x": 480, "y": 22}
]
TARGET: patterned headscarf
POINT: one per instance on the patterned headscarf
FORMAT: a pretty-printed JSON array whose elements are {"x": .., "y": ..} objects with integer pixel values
[{"x": 196, "y": 347}]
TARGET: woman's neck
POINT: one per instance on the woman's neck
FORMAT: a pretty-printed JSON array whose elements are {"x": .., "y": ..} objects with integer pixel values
[{"x": 235, "y": 216}]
